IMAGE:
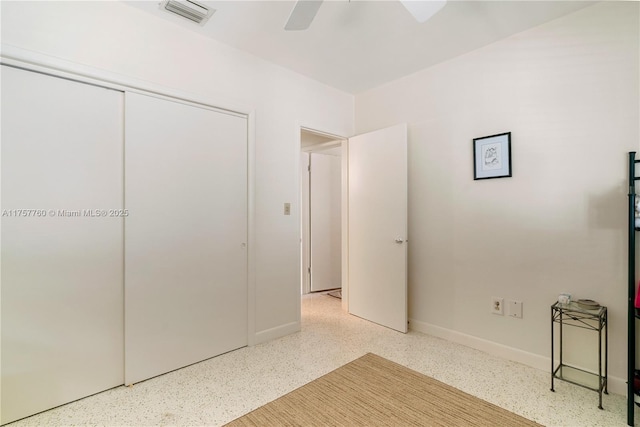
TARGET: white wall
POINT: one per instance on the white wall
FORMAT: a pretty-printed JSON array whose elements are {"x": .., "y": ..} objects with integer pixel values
[
  {"x": 121, "y": 39},
  {"x": 568, "y": 92}
]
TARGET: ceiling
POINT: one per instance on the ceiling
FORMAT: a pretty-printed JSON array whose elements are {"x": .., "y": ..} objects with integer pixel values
[{"x": 357, "y": 45}]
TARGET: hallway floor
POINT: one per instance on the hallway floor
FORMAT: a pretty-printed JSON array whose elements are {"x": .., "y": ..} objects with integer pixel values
[{"x": 223, "y": 388}]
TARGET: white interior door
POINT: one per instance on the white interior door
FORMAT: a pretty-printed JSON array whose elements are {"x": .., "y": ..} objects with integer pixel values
[
  {"x": 305, "y": 223},
  {"x": 62, "y": 266},
  {"x": 378, "y": 227},
  {"x": 326, "y": 238},
  {"x": 185, "y": 236}
]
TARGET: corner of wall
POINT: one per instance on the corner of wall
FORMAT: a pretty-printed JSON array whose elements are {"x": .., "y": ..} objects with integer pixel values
[{"x": 274, "y": 333}]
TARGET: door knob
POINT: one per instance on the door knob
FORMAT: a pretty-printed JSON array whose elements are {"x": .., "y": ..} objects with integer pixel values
[{"x": 399, "y": 240}]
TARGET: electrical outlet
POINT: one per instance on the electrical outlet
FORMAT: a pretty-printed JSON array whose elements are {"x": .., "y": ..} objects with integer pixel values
[
  {"x": 287, "y": 208},
  {"x": 515, "y": 309},
  {"x": 497, "y": 306}
]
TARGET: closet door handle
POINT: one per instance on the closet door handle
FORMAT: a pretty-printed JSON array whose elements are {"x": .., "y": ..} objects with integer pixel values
[{"x": 399, "y": 240}]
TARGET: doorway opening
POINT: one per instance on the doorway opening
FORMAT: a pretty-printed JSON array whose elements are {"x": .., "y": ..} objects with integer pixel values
[
  {"x": 322, "y": 190},
  {"x": 373, "y": 247}
]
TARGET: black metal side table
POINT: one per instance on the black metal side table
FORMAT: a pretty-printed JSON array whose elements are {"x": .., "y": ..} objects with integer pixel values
[{"x": 592, "y": 319}]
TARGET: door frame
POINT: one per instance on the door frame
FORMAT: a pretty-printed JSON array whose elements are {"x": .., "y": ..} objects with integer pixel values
[{"x": 344, "y": 205}]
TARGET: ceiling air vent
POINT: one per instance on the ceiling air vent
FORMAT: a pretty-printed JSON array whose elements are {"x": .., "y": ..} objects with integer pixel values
[{"x": 188, "y": 9}]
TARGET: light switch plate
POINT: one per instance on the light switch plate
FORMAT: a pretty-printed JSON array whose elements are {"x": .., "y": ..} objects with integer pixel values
[{"x": 515, "y": 309}]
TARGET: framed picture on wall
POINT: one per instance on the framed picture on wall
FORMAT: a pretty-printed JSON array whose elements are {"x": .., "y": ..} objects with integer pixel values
[{"x": 492, "y": 156}]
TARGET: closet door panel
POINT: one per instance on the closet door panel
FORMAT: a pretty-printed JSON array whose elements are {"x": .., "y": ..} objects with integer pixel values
[
  {"x": 62, "y": 260},
  {"x": 186, "y": 235}
]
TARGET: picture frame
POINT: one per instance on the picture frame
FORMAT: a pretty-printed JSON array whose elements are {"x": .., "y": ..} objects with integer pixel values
[{"x": 492, "y": 156}]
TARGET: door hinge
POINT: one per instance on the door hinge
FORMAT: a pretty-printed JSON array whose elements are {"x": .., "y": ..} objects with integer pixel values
[
  {"x": 309, "y": 168},
  {"x": 309, "y": 270}
]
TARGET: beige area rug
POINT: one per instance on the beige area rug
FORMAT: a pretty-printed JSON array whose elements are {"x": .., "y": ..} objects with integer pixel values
[{"x": 373, "y": 391}]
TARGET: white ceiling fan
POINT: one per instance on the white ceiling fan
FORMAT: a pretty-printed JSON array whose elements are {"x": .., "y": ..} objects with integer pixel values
[{"x": 305, "y": 10}]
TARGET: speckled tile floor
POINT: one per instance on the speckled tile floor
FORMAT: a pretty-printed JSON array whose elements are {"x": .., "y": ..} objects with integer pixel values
[{"x": 221, "y": 389}]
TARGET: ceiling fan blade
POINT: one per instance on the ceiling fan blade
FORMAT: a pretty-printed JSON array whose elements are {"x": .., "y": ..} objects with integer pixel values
[
  {"x": 423, "y": 10},
  {"x": 302, "y": 15}
]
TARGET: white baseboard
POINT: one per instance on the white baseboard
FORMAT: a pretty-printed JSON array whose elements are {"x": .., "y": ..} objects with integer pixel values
[
  {"x": 615, "y": 384},
  {"x": 274, "y": 333}
]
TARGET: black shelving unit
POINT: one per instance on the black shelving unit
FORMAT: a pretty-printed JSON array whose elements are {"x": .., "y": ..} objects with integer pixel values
[{"x": 631, "y": 311}]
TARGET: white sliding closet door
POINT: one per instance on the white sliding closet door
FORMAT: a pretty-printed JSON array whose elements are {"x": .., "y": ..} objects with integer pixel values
[
  {"x": 186, "y": 235},
  {"x": 62, "y": 266}
]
